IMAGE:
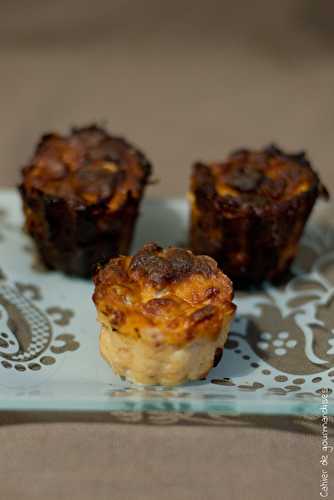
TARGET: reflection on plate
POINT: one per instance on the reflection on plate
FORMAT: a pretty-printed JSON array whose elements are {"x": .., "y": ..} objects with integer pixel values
[{"x": 279, "y": 358}]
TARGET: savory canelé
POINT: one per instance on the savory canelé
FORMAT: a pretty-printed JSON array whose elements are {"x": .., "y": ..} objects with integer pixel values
[
  {"x": 81, "y": 195},
  {"x": 164, "y": 313},
  {"x": 249, "y": 211}
]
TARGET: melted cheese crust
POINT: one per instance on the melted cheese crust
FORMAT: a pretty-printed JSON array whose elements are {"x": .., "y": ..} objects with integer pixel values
[
  {"x": 256, "y": 179},
  {"x": 164, "y": 297},
  {"x": 87, "y": 167}
]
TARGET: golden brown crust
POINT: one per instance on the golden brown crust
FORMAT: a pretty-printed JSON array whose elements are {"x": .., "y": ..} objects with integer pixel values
[
  {"x": 81, "y": 195},
  {"x": 164, "y": 296},
  {"x": 249, "y": 211},
  {"x": 256, "y": 180},
  {"x": 87, "y": 167}
]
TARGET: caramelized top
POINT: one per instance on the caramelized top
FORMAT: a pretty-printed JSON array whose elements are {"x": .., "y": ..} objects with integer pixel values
[
  {"x": 166, "y": 295},
  {"x": 258, "y": 178},
  {"x": 86, "y": 167}
]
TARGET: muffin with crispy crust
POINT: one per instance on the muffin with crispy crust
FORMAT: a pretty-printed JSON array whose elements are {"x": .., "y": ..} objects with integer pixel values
[
  {"x": 164, "y": 314},
  {"x": 249, "y": 211},
  {"x": 81, "y": 195}
]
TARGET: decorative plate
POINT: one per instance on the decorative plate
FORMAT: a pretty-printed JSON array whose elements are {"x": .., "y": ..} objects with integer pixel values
[{"x": 279, "y": 358}]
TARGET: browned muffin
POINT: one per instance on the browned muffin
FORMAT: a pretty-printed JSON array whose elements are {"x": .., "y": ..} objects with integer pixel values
[
  {"x": 249, "y": 211},
  {"x": 164, "y": 314},
  {"x": 81, "y": 195}
]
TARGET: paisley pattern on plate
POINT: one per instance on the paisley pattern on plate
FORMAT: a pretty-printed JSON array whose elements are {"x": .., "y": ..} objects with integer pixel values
[
  {"x": 28, "y": 337},
  {"x": 279, "y": 357}
]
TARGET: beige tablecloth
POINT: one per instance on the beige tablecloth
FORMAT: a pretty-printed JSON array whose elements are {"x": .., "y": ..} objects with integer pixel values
[{"x": 185, "y": 80}]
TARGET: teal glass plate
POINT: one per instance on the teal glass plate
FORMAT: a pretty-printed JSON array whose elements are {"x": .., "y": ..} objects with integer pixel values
[{"x": 279, "y": 358}]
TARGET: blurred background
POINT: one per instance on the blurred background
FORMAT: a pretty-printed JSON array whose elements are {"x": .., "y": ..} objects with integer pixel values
[{"x": 183, "y": 79}]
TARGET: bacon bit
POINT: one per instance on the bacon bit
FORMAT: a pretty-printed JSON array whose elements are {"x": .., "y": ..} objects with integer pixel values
[{"x": 202, "y": 314}]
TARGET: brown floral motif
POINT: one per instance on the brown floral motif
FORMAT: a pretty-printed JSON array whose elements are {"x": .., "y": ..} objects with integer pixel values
[
  {"x": 223, "y": 381},
  {"x": 291, "y": 325},
  {"x": 26, "y": 334},
  {"x": 322, "y": 327},
  {"x": 67, "y": 343},
  {"x": 277, "y": 339},
  {"x": 281, "y": 340},
  {"x": 319, "y": 311},
  {"x": 255, "y": 386},
  {"x": 30, "y": 291},
  {"x": 305, "y": 258},
  {"x": 318, "y": 240},
  {"x": 314, "y": 288},
  {"x": 25, "y": 330},
  {"x": 62, "y": 316}
]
